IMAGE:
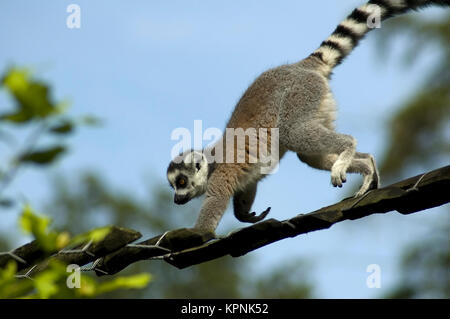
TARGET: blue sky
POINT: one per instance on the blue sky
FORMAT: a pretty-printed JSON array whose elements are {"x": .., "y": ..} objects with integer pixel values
[{"x": 148, "y": 67}]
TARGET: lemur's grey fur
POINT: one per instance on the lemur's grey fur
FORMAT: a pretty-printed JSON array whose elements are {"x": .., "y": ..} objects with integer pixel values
[{"x": 295, "y": 98}]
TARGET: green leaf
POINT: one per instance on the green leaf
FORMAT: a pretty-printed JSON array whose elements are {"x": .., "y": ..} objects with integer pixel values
[
  {"x": 17, "y": 117},
  {"x": 8, "y": 272},
  {"x": 38, "y": 227},
  {"x": 16, "y": 80},
  {"x": 50, "y": 282},
  {"x": 65, "y": 127},
  {"x": 10, "y": 286},
  {"x": 43, "y": 157},
  {"x": 31, "y": 223},
  {"x": 98, "y": 234},
  {"x": 46, "y": 284},
  {"x": 94, "y": 235},
  {"x": 130, "y": 282},
  {"x": 31, "y": 96}
]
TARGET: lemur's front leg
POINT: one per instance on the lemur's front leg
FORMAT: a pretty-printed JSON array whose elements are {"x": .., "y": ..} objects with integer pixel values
[
  {"x": 211, "y": 212},
  {"x": 242, "y": 203}
]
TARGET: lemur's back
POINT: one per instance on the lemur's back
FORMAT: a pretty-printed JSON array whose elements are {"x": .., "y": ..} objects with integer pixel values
[{"x": 260, "y": 105}]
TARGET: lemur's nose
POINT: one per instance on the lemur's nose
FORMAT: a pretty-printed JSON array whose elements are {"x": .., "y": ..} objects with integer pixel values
[{"x": 180, "y": 199}]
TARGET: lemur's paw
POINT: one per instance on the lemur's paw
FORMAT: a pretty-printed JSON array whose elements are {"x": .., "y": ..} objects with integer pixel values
[
  {"x": 252, "y": 217},
  {"x": 338, "y": 173},
  {"x": 369, "y": 184},
  {"x": 338, "y": 177},
  {"x": 361, "y": 192}
]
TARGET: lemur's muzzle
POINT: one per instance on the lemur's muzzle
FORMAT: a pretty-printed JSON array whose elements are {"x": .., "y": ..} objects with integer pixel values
[{"x": 181, "y": 199}]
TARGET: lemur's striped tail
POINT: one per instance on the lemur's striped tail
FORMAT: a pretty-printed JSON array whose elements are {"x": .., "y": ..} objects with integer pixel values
[{"x": 363, "y": 19}]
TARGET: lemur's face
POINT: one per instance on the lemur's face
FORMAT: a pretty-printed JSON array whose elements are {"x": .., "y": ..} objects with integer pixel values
[{"x": 188, "y": 176}]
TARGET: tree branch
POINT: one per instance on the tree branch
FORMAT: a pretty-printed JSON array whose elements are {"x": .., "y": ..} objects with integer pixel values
[
  {"x": 408, "y": 196},
  {"x": 32, "y": 255},
  {"x": 184, "y": 247}
]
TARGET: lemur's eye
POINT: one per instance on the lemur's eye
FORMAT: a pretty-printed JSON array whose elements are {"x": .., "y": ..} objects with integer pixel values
[{"x": 181, "y": 182}]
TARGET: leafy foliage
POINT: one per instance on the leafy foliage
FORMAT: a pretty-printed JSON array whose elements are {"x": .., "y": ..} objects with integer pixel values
[
  {"x": 10, "y": 286},
  {"x": 44, "y": 156},
  {"x": 38, "y": 226},
  {"x": 32, "y": 97},
  {"x": 63, "y": 127},
  {"x": 52, "y": 282},
  {"x": 34, "y": 110}
]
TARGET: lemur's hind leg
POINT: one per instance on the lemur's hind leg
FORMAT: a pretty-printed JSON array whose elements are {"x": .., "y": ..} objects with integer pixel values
[
  {"x": 313, "y": 139},
  {"x": 375, "y": 176},
  {"x": 302, "y": 119},
  {"x": 362, "y": 163}
]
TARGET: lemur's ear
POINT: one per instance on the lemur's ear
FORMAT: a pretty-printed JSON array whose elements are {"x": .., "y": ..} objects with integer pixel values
[
  {"x": 199, "y": 160},
  {"x": 194, "y": 159}
]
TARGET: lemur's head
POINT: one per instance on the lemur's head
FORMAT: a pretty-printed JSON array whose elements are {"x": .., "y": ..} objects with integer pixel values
[{"x": 188, "y": 176}]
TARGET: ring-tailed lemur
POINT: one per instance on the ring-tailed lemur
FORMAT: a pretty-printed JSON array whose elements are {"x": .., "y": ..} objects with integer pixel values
[{"x": 296, "y": 99}]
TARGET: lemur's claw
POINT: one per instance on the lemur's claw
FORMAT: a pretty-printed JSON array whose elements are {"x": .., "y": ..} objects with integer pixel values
[
  {"x": 253, "y": 218},
  {"x": 264, "y": 213}
]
